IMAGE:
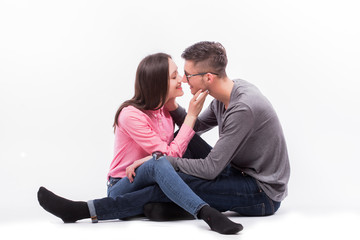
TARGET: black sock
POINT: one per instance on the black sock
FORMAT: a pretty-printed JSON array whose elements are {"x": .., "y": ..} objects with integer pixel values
[
  {"x": 218, "y": 222},
  {"x": 68, "y": 211},
  {"x": 166, "y": 212}
]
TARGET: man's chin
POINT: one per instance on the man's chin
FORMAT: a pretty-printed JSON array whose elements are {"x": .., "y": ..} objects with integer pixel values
[{"x": 193, "y": 91}]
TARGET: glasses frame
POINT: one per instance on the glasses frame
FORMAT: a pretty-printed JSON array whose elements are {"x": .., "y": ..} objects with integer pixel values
[{"x": 198, "y": 74}]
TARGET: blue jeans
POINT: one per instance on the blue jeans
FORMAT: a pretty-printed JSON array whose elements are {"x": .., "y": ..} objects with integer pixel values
[
  {"x": 123, "y": 194},
  {"x": 232, "y": 190}
]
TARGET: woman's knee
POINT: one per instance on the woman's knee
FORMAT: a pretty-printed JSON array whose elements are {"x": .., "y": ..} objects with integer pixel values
[{"x": 162, "y": 165}]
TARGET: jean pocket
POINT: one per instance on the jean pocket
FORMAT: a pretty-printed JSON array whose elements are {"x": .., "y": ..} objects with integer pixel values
[
  {"x": 113, "y": 181},
  {"x": 253, "y": 210},
  {"x": 110, "y": 184}
]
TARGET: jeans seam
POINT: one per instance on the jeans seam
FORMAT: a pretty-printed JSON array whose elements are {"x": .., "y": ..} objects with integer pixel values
[
  {"x": 191, "y": 209},
  {"x": 92, "y": 211},
  {"x": 263, "y": 209},
  {"x": 271, "y": 205}
]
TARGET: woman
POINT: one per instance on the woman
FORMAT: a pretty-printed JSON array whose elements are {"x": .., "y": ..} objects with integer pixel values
[
  {"x": 142, "y": 127},
  {"x": 142, "y": 124}
]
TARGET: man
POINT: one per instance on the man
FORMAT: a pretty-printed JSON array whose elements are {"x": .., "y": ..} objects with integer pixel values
[{"x": 248, "y": 169}]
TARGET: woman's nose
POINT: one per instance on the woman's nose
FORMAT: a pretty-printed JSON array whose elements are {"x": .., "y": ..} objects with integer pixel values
[{"x": 179, "y": 78}]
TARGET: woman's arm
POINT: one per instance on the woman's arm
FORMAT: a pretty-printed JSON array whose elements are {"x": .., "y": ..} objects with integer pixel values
[
  {"x": 139, "y": 127},
  {"x": 195, "y": 106}
]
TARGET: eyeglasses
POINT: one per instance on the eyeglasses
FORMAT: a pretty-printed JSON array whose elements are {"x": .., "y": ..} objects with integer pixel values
[{"x": 198, "y": 74}]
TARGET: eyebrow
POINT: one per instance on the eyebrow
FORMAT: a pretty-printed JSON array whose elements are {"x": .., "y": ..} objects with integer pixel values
[{"x": 174, "y": 72}]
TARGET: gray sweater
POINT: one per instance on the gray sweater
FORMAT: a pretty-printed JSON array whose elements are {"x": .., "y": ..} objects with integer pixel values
[{"x": 250, "y": 139}]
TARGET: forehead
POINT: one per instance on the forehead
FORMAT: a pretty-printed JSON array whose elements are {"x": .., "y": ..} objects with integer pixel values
[
  {"x": 172, "y": 66},
  {"x": 189, "y": 66}
]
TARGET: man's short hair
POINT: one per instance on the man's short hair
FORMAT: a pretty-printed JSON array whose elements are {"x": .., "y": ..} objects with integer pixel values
[{"x": 209, "y": 56}]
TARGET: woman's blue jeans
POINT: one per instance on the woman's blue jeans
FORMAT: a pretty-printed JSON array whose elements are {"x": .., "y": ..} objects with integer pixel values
[
  {"x": 159, "y": 173},
  {"x": 157, "y": 181}
]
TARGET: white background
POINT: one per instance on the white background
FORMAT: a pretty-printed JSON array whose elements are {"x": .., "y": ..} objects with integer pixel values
[{"x": 66, "y": 66}]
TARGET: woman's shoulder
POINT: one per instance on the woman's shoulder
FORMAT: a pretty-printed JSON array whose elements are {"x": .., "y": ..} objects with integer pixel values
[
  {"x": 131, "y": 112},
  {"x": 131, "y": 109}
]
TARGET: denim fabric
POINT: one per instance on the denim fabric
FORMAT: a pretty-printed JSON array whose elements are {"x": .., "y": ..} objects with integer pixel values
[
  {"x": 92, "y": 211},
  {"x": 232, "y": 190},
  {"x": 162, "y": 173},
  {"x": 111, "y": 182},
  {"x": 129, "y": 204}
]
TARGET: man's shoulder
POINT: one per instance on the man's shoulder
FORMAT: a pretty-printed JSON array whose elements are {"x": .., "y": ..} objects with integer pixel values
[{"x": 243, "y": 85}]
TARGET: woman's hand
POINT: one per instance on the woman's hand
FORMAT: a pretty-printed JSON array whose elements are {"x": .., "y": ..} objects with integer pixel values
[
  {"x": 130, "y": 170},
  {"x": 197, "y": 103},
  {"x": 195, "y": 106}
]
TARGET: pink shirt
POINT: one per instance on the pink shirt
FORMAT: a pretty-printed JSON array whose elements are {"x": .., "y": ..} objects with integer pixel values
[{"x": 139, "y": 134}]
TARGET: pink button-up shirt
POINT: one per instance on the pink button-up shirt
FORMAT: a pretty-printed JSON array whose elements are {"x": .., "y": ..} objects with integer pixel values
[{"x": 141, "y": 133}]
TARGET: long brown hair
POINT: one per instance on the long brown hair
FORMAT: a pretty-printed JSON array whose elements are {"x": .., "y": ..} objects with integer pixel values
[{"x": 151, "y": 84}]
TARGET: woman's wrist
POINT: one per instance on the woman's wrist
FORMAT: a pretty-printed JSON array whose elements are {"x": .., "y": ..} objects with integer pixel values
[{"x": 190, "y": 120}]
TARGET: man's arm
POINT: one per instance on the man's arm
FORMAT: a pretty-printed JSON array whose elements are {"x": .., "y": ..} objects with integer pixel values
[{"x": 237, "y": 128}]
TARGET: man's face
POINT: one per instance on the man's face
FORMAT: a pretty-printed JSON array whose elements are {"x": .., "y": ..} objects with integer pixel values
[{"x": 195, "y": 82}]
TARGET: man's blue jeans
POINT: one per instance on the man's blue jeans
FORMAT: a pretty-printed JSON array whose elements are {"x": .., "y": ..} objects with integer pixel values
[{"x": 230, "y": 191}]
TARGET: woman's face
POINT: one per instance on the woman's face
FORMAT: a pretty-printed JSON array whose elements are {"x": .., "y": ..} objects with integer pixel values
[{"x": 175, "y": 89}]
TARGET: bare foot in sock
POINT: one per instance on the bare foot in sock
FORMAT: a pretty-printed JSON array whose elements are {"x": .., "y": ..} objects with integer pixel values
[
  {"x": 69, "y": 211},
  {"x": 218, "y": 222}
]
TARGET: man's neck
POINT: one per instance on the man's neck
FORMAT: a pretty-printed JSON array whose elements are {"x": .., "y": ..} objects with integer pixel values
[{"x": 221, "y": 90}]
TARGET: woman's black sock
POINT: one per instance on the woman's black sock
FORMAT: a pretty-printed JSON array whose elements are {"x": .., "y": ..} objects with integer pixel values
[
  {"x": 68, "y": 211},
  {"x": 166, "y": 212},
  {"x": 218, "y": 222}
]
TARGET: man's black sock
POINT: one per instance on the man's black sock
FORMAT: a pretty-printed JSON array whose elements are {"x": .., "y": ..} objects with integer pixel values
[
  {"x": 166, "y": 212},
  {"x": 218, "y": 222},
  {"x": 68, "y": 211}
]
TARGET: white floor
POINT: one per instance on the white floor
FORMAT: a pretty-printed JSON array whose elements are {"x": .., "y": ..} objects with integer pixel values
[{"x": 286, "y": 224}]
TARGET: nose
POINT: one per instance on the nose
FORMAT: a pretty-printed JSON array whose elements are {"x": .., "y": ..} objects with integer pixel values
[
  {"x": 179, "y": 78},
  {"x": 184, "y": 80}
]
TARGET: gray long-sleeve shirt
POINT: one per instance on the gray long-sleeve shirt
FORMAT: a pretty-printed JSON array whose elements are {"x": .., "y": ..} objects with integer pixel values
[{"x": 250, "y": 138}]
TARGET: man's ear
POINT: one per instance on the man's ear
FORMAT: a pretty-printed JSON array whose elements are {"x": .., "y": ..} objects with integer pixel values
[{"x": 210, "y": 78}]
